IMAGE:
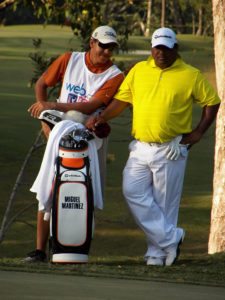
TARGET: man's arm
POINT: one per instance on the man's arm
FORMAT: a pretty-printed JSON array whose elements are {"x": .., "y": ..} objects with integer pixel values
[
  {"x": 111, "y": 111},
  {"x": 208, "y": 116},
  {"x": 41, "y": 96},
  {"x": 83, "y": 107},
  {"x": 41, "y": 90},
  {"x": 43, "y": 104},
  {"x": 99, "y": 99}
]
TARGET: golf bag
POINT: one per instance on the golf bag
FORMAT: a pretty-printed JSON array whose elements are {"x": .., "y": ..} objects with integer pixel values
[
  {"x": 72, "y": 209},
  {"x": 72, "y": 215}
]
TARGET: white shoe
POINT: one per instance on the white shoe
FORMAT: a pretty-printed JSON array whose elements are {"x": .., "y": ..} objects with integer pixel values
[
  {"x": 173, "y": 254},
  {"x": 155, "y": 261}
]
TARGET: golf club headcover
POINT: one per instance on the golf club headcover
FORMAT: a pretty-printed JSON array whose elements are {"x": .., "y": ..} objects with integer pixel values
[{"x": 102, "y": 130}]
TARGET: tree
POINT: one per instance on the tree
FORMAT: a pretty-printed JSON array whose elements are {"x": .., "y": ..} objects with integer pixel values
[
  {"x": 126, "y": 16},
  {"x": 217, "y": 229},
  {"x": 148, "y": 22},
  {"x": 163, "y": 13},
  {"x": 82, "y": 16},
  {"x": 6, "y": 3},
  {"x": 200, "y": 20},
  {"x": 201, "y": 16},
  {"x": 177, "y": 13}
]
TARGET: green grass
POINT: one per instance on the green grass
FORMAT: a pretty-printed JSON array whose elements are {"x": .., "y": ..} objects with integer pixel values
[{"x": 118, "y": 246}]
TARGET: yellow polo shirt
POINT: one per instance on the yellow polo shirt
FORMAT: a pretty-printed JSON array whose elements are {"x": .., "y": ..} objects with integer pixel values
[{"x": 162, "y": 100}]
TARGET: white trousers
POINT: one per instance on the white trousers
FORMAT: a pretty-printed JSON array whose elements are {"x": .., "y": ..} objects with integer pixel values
[{"x": 152, "y": 186}]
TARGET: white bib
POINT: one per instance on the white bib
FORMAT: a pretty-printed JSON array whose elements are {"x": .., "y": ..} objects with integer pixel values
[{"x": 79, "y": 83}]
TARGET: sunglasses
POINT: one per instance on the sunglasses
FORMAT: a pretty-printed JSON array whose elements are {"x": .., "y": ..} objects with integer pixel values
[{"x": 110, "y": 46}]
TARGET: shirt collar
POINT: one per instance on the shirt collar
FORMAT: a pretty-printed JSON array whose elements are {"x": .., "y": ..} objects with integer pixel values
[
  {"x": 151, "y": 62},
  {"x": 96, "y": 68}
]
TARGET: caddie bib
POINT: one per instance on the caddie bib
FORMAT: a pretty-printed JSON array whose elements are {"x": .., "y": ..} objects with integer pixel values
[{"x": 79, "y": 83}]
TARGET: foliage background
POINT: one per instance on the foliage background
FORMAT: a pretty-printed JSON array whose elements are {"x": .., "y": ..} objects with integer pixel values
[{"x": 130, "y": 17}]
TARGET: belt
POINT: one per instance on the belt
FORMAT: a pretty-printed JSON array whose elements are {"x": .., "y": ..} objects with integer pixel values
[
  {"x": 155, "y": 144},
  {"x": 158, "y": 144}
]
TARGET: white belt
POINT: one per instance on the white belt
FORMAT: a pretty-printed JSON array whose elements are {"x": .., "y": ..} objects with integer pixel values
[{"x": 156, "y": 144}]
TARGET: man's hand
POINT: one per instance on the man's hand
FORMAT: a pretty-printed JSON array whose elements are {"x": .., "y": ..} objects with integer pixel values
[
  {"x": 208, "y": 116},
  {"x": 36, "y": 108},
  {"x": 173, "y": 149},
  {"x": 191, "y": 138},
  {"x": 94, "y": 121},
  {"x": 90, "y": 123}
]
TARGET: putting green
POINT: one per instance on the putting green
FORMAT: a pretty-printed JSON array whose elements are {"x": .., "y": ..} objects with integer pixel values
[{"x": 19, "y": 285}]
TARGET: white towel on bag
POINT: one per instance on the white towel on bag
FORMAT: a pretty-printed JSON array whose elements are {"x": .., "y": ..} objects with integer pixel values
[{"x": 42, "y": 185}]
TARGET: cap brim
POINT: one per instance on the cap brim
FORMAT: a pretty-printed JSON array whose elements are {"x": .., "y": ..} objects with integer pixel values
[
  {"x": 108, "y": 41},
  {"x": 163, "y": 42}
]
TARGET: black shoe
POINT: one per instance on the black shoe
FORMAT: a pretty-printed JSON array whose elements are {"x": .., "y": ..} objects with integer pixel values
[{"x": 36, "y": 256}]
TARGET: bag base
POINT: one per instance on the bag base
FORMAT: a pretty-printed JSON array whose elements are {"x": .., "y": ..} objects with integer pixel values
[{"x": 69, "y": 258}]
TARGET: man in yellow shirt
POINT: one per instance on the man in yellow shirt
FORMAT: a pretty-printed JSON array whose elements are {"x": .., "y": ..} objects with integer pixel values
[{"x": 162, "y": 91}]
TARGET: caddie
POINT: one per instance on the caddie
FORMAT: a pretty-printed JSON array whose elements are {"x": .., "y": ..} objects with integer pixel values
[
  {"x": 89, "y": 81},
  {"x": 161, "y": 91}
]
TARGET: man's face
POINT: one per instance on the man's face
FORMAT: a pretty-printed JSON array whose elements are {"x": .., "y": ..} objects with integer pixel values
[
  {"x": 164, "y": 57},
  {"x": 101, "y": 53}
]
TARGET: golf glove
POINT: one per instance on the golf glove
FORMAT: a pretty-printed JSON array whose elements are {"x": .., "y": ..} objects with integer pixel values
[{"x": 173, "y": 151}]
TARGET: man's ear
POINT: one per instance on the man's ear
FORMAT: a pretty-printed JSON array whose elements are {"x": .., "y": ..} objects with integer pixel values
[{"x": 91, "y": 43}]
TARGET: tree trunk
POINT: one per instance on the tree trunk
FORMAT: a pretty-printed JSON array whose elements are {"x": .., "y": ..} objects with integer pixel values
[
  {"x": 193, "y": 23},
  {"x": 140, "y": 24},
  {"x": 177, "y": 15},
  {"x": 148, "y": 23},
  {"x": 200, "y": 20},
  {"x": 217, "y": 229},
  {"x": 6, "y": 3},
  {"x": 163, "y": 13}
]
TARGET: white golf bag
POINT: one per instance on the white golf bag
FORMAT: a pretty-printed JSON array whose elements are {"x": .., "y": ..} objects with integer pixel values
[{"x": 71, "y": 228}]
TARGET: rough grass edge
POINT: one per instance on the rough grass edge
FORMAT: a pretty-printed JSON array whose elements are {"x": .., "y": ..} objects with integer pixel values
[{"x": 205, "y": 271}]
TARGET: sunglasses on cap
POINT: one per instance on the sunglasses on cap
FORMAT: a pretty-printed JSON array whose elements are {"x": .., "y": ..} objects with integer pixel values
[{"x": 109, "y": 46}]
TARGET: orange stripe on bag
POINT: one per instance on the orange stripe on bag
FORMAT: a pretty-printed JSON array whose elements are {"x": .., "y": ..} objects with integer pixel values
[{"x": 73, "y": 162}]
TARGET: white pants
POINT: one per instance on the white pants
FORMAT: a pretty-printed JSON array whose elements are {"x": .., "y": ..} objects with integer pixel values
[
  {"x": 152, "y": 186},
  {"x": 102, "y": 157}
]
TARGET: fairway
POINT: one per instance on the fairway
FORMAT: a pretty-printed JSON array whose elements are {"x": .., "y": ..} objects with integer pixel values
[
  {"x": 118, "y": 246},
  {"x": 44, "y": 286}
]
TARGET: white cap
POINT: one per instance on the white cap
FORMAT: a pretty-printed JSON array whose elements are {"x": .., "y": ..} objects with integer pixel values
[
  {"x": 105, "y": 35},
  {"x": 164, "y": 36}
]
